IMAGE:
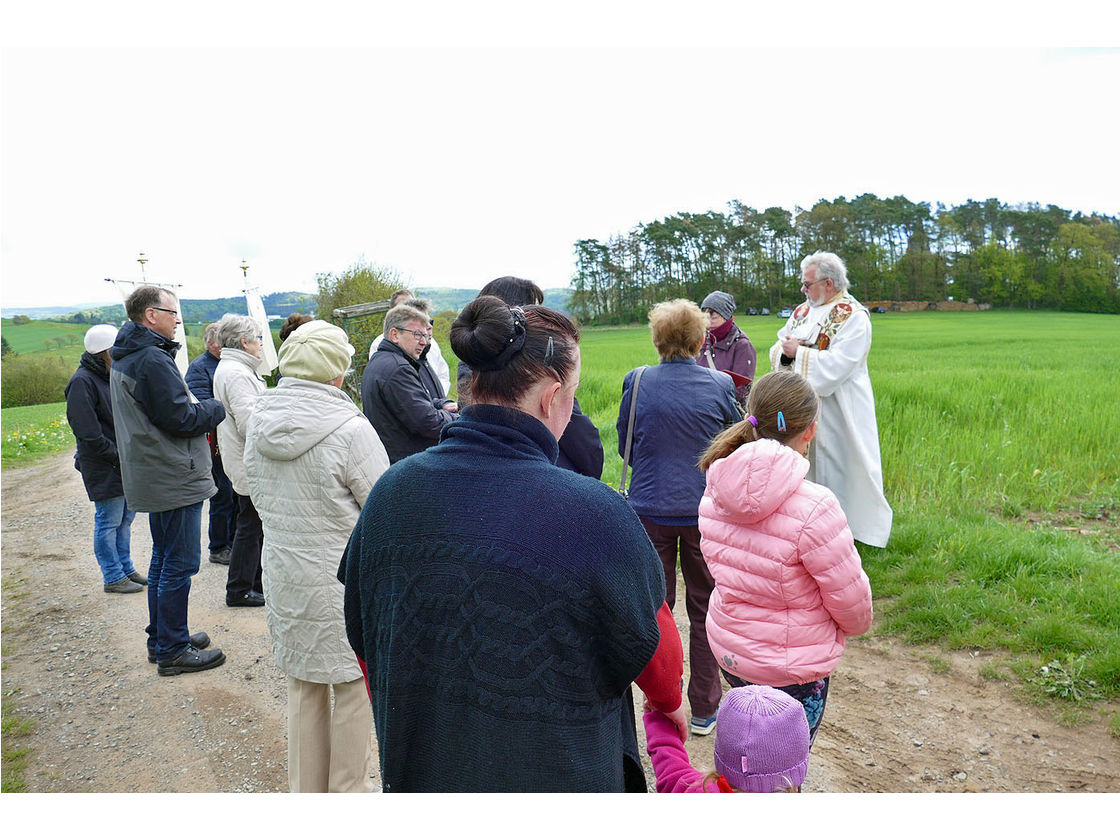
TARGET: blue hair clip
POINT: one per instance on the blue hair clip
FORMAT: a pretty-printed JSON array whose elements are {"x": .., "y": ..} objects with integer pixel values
[{"x": 781, "y": 422}]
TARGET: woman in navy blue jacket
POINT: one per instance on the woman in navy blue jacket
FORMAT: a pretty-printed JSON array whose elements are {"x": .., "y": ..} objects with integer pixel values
[
  {"x": 681, "y": 406},
  {"x": 504, "y": 614},
  {"x": 90, "y": 415}
]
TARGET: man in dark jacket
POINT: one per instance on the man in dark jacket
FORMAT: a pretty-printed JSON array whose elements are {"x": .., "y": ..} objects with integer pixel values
[
  {"x": 223, "y": 505},
  {"x": 165, "y": 467},
  {"x": 89, "y": 411},
  {"x": 407, "y": 411}
]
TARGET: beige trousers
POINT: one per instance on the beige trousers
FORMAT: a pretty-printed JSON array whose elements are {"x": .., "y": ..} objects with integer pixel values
[{"x": 329, "y": 752}]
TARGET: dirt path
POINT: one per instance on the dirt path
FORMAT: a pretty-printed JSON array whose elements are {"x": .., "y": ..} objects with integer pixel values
[{"x": 76, "y": 664}]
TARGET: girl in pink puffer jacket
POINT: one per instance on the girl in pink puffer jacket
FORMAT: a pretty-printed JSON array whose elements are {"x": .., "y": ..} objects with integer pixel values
[{"x": 789, "y": 586}]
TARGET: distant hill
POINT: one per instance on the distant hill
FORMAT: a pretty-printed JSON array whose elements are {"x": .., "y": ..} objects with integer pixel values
[
  {"x": 277, "y": 304},
  {"x": 49, "y": 313},
  {"x": 456, "y": 299}
]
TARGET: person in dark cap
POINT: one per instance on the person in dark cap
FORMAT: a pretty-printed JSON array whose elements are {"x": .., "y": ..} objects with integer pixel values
[
  {"x": 222, "y": 526},
  {"x": 726, "y": 347}
]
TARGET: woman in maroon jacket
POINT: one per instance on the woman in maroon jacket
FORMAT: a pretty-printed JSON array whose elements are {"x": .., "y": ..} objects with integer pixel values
[{"x": 726, "y": 347}]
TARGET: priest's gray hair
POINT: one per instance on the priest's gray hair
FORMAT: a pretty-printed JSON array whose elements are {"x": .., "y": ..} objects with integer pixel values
[{"x": 829, "y": 267}]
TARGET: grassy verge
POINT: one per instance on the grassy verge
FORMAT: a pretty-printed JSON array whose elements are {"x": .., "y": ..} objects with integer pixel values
[
  {"x": 31, "y": 432},
  {"x": 1001, "y": 457},
  {"x": 14, "y": 729}
]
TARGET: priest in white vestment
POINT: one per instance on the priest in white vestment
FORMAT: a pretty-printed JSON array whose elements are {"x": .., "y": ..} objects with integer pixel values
[{"x": 827, "y": 340}]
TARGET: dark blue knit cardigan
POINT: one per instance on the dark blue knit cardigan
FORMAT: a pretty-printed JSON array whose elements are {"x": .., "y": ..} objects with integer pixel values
[{"x": 503, "y": 606}]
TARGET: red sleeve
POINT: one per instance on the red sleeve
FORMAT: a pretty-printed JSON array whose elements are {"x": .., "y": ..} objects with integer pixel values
[
  {"x": 365, "y": 676},
  {"x": 661, "y": 679}
]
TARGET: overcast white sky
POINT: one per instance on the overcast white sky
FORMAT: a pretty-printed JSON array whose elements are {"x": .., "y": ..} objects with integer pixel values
[{"x": 449, "y": 153}]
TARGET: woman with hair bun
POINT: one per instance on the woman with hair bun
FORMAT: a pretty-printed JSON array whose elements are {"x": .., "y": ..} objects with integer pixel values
[{"x": 503, "y": 606}]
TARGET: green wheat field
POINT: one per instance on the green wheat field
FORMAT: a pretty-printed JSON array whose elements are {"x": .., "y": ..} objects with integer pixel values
[{"x": 1000, "y": 437}]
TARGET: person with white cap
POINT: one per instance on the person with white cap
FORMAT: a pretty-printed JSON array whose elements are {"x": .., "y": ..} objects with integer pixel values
[
  {"x": 762, "y": 746},
  {"x": 310, "y": 460},
  {"x": 89, "y": 412}
]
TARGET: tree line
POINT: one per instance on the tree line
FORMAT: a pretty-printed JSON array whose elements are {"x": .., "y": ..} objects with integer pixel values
[{"x": 1020, "y": 256}]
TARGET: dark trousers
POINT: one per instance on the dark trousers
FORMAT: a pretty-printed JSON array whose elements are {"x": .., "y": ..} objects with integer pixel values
[
  {"x": 223, "y": 509},
  {"x": 245, "y": 557},
  {"x": 704, "y": 689},
  {"x": 176, "y": 550}
]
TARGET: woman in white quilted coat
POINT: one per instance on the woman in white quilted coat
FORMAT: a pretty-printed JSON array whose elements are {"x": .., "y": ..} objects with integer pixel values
[
  {"x": 789, "y": 585},
  {"x": 311, "y": 458}
]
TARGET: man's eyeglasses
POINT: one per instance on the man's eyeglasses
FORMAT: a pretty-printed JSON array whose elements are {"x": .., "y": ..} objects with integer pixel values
[
  {"x": 168, "y": 311},
  {"x": 421, "y": 335}
]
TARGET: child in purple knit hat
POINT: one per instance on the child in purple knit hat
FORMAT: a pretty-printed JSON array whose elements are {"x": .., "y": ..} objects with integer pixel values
[{"x": 762, "y": 746}]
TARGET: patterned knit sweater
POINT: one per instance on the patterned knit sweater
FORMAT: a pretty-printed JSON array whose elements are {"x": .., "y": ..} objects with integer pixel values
[{"x": 503, "y": 606}]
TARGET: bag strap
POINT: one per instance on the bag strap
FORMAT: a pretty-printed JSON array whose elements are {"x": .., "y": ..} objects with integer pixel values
[
  {"x": 630, "y": 427},
  {"x": 711, "y": 360}
]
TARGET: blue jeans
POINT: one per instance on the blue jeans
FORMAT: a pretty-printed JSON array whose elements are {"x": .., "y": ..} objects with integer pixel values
[
  {"x": 112, "y": 532},
  {"x": 176, "y": 549}
]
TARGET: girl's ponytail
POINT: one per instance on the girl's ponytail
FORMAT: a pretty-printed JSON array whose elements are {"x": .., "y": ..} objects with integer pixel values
[
  {"x": 727, "y": 442},
  {"x": 781, "y": 406}
]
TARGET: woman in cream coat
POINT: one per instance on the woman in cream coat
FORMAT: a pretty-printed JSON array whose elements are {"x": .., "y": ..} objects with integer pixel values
[
  {"x": 238, "y": 386},
  {"x": 311, "y": 459}
]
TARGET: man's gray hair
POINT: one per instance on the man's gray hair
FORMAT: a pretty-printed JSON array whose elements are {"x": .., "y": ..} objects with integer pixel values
[
  {"x": 829, "y": 267},
  {"x": 210, "y": 334},
  {"x": 232, "y": 328},
  {"x": 400, "y": 296},
  {"x": 399, "y": 317},
  {"x": 423, "y": 304}
]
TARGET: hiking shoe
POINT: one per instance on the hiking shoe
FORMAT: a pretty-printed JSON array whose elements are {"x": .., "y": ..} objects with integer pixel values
[
  {"x": 249, "y": 599},
  {"x": 702, "y": 726},
  {"x": 221, "y": 557},
  {"x": 199, "y": 640},
  {"x": 190, "y": 660},
  {"x": 124, "y": 586},
  {"x": 136, "y": 577}
]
